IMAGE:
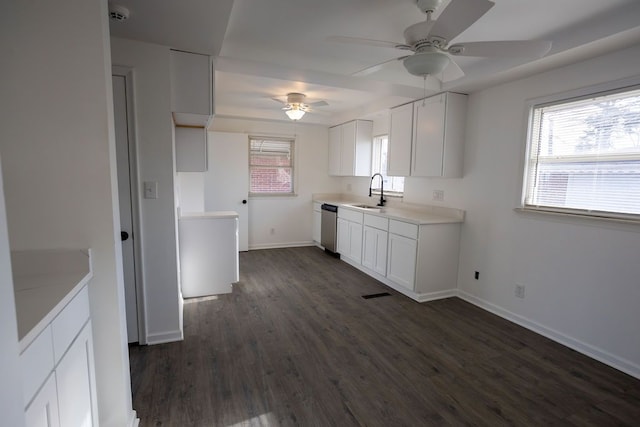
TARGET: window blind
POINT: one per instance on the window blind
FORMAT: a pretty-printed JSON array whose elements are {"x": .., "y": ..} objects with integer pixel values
[{"x": 584, "y": 155}]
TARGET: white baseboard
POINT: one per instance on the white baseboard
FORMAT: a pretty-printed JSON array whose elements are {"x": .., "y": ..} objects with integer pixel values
[
  {"x": 258, "y": 246},
  {"x": 164, "y": 337},
  {"x": 598, "y": 354},
  {"x": 134, "y": 421},
  {"x": 419, "y": 297}
]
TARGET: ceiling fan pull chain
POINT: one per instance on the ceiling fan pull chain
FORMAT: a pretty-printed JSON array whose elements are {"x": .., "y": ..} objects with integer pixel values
[{"x": 424, "y": 89}]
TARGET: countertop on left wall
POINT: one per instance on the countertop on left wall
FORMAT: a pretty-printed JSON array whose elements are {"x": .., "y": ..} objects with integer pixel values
[{"x": 44, "y": 282}]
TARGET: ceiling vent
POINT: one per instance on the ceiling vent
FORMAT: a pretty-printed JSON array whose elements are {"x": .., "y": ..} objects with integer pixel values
[{"x": 118, "y": 13}]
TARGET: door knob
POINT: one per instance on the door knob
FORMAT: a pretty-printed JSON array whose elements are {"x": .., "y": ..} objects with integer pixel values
[
  {"x": 244, "y": 202},
  {"x": 124, "y": 235}
]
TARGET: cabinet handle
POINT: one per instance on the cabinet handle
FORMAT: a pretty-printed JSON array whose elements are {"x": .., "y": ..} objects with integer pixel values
[{"x": 244, "y": 202}]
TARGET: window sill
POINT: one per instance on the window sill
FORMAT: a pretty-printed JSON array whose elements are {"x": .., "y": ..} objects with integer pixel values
[
  {"x": 584, "y": 219},
  {"x": 258, "y": 196}
]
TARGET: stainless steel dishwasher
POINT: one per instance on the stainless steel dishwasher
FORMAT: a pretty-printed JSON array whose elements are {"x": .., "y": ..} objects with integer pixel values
[{"x": 328, "y": 227}]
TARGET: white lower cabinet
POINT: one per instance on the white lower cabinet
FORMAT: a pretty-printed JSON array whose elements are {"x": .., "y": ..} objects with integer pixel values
[
  {"x": 66, "y": 392},
  {"x": 350, "y": 240},
  {"x": 317, "y": 223},
  {"x": 374, "y": 243},
  {"x": 43, "y": 410},
  {"x": 401, "y": 260},
  {"x": 76, "y": 383}
]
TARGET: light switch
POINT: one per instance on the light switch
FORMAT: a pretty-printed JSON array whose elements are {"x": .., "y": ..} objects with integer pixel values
[{"x": 150, "y": 190}]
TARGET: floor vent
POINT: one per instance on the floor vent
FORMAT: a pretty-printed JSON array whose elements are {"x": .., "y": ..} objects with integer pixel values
[{"x": 382, "y": 294}]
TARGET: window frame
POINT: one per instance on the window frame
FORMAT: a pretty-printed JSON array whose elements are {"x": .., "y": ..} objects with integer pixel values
[
  {"x": 292, "y": 144},
  {"x": 376, "y": 190},
  {"x": 597, "y": 90}
]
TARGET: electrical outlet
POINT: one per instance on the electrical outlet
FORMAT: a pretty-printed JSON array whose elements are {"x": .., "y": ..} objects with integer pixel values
[
  {"x": 349, "y": 187},
  {"x": 520, "y": 291},
  {"x": 438, "y": 195},
  {"x": 273, "y": 231}
]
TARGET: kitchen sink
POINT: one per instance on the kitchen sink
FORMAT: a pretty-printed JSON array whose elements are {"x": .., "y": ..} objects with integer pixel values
[{"x": 368, "y": 207}]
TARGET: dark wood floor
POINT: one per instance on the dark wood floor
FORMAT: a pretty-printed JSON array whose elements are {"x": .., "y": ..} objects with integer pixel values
[{"x": 295, "y": 344}]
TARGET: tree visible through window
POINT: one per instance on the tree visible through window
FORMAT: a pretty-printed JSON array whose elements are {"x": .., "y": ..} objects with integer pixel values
[
  {"x": 270, "y": 166},
  {"x": 392, "y": 184},
  {"x": 584, "y": 155}
]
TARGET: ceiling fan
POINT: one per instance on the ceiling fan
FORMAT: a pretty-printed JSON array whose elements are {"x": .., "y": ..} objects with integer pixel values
[
  {"x": 295, "y": 107},
  {"x": 429, "y": 41}
]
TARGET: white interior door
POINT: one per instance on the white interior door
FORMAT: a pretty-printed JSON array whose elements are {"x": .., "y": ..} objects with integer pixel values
[
  {"x": 226, "y": 186},
  {"x": 124, "y": 194}
]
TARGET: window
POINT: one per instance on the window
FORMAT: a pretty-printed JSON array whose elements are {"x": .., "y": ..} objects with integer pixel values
[
  {"x": 392, "y": 184},
  {"x": 270, "y": 166},
  {"x": 584, "y": 155}
]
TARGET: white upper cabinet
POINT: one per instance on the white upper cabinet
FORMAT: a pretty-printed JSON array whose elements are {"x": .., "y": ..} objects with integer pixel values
[
  {"x": 191, "y": 88},
  {"x": 400, "y": 138},
  {"x": 191, "y": 149},
  {"x": 438, "y": 138},
  {"x": 350, "y": 148},
  {"x": 426, "y": 138}
]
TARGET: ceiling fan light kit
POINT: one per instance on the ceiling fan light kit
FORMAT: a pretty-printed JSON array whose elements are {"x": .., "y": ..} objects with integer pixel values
[
  {"x": 427, "y": 63},
  {"x": 295, "y": 112}
]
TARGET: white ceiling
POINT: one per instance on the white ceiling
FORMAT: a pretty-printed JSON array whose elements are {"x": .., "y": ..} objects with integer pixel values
[{"x": 268, "y": 48}]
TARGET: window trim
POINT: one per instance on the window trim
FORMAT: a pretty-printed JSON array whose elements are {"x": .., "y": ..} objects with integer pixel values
[
  {"x": 376, "y": 191},
  {"x": 615, "y": 86},
  {"x": 294, "y": 176}
]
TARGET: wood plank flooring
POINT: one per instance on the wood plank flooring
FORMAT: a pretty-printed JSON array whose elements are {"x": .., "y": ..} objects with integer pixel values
[{"x": 295, "y": 344}]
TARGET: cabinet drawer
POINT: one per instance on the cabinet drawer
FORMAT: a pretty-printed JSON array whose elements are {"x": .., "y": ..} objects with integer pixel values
[
  {"x": 403, "y": 229},
  {"x": 36, "y": 363},
  {"x": 376, "y": 222},
  {"x": 350, "y": 215},
  {"x": 69, "y": 322}
]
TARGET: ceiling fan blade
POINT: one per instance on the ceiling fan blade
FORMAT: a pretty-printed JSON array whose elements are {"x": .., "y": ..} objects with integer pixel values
[
  {"x": 319, "y": 104},
  {"x": 458, "y": 16},
  {"x": 377, "y": 67},
  {"x": 518, "y": 48},
  {"x": 451, "y": 72},
  {"x": 368, "y": 42},
  {"x": 278, "y": 100}
]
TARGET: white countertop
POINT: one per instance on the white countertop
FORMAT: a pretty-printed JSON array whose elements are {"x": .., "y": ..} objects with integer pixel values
[
  {"x": 216, "y": 214},
  {"x": 415, "y": 214},
  {"x": 44, "y": 282}
]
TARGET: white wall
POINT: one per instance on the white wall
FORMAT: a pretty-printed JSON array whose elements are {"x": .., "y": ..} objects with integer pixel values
[
  {"x": 57, "y": 146},
  {"x": 581, "y": 277},
  {"x": 11, "y": 404},
  {"x": 290, "y": 217},
  {"x": 154, "y": 140}
]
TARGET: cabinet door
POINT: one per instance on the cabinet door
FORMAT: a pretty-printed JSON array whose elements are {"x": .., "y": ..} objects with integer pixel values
[
  {"x": 43, "y": 410},
  {"x": 400, "y": 135},
  {"x": 355, "y": 242},
  {"x": 374, "y": 250},
  {"x": 342, "y": 245},
  {"x": 191, "y": 149},
  {"x": 317, "y": 226},
  {"x": 401, "y": 262},
  {"x": 75, "y": 377},
  {"x": 428, "y": 141},
  {"x": 335, "y": 148},
  {"x": 348, "y": 150},
  {"x": 190, "y": 83}
]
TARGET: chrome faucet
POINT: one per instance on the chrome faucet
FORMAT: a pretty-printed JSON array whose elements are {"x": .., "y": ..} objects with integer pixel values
[{"x": 382, "y": 200}]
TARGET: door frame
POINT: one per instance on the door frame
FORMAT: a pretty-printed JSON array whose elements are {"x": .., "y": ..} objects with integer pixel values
[{"x": 134, "y": 183}]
